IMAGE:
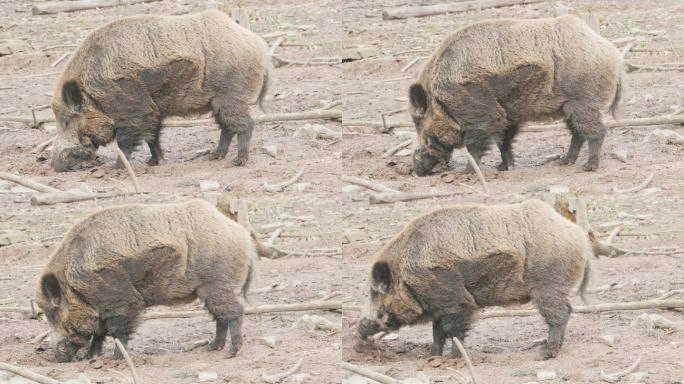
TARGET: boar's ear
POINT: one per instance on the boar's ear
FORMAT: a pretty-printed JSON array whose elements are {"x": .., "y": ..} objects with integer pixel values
[
  {"x": 382, "y": 276},
  {"x": 72, "y": 96},
  {"x": 418, "y": 98},
  {"x": 51, "y": 290}
]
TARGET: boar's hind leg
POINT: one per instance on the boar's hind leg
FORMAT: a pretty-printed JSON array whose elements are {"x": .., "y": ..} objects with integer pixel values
[
  {"x": 155, "y": 150},
  {"x": 506, "y": 148},
  {"x": 555, "y": 308},
  {"x": 228, "y": 312},
  {"x": 585, "y": 125},
  {"x": 233, "y": 118}
]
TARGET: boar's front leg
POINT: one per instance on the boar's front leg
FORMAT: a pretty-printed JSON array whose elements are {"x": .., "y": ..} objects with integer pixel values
[
  {"x": 448, "y": 326},
  {"x": 228, "y": 312},
  {"x": 477, "y": 143}
]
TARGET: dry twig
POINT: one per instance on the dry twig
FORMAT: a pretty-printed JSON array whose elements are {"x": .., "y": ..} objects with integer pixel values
[
  {"x": 397, "y": 148},
  {"x": 638, "y": 187},
  {"x": 279, "y": 187},
  {"x": 278, "y": 377},
  {"x": 380, "y": 378},
  {"x": 129, "y": 362},
  {"x": 393, "y": 197},
  {"x": 260, "y": 309},
  {"x": 617, "y": 376},
  {"x": 23, "y": 372},
  {"x": 28, "y": 183},
  {"x": 476, "y": 167},
  {"x": 373, "y": 186},
  {"x": 438, "y": 9},
  {"x": 597, "y": 308},
  {"x": 129, "y": 169},
  {"x": 469, "y": 364}
]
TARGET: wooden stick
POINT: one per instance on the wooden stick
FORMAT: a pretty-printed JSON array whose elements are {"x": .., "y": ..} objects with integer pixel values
[
  {"x": 52, "y": 198},
  {"x": 128, "y": 360},
  {"x": 129, "y": 169},
  {"x": 275, "y": 45},
  {"x": 53, "y": 7},
  {"x": 380, "y": 378},
  {"x": 41, "y": 147},
  {"x": 597, "y": 308},
  {"x": 635, "y": 67},
  {"x": 615, "y": 377},
  {"x": 377, "y": 187},
  {"x": 27, "y": 183},
  {"x": 478, "y": 172},
  {"x": 397, "y": 148},
  {"x": 388, "y": 198},
  {"x": 260, "y": 309},
  {"x": 438, "y": 9},
  {"x": 279, "y": 187},
  {"x": 40, "y": 337},
  {"x": 410, "y": 64},
  {"x": 278, "y": 377},
  {"x": 23, "y": 372},
  {"x": 638, "y": 187},
  {"x": 60, "y": 59},
  {"x": 469, "y": 364},
  {"x": 280, "y": 61},
  {"x": 320, "y": 114},
  {"x": 626, "y": 49},
  {"x": 636, "y": 122},
  {"x": 611, "y": 236}
]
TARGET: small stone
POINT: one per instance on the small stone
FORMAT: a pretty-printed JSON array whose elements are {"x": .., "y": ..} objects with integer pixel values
[
  {"x": 435, "y": 361},
  {"x": 559, "y": 189},
  {"x": 404, "y": 152},
  {"x": 305, "y": 132},
  {"x": 205, "y": 376},
  {"x": 665, "y": 136},
  {"x": 447, "y": 177},
  {"x": 98, "y": 173},
  {"x": 390, "y": 336},
  {"x": 637, "y": 377},
  {"x": 608, "y": 340},
  {"x": 349, "y": 188},
  {"x": 270, "y": 341},
  {"x": 546, "y": 374},
  {"x": 298, "y": 378},
  {"x": 271, "y": 150},
  {"x": 301, "y": 187},
  {"x": 96, "y": 364},
  {"x": 209, "y": 186},
  {"x": 650, "y": 191},
  {"x": 620, "y": 155}
]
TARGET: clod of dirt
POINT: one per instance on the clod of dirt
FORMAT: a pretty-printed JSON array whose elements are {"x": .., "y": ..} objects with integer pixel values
[
  {"x": 608, "y": 340},
  {"x": 315, "y": 322},
  {"x": 271, "y": 150},
  {"x": 205, "y": 376},
  {"x": 620, "y": 155},
  {"x": 545, "y": 374},
  {"x": 270, "y": 341},
  {"x": 209, "y": 186}
]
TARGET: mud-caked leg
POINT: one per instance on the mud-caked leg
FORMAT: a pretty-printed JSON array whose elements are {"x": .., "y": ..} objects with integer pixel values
[
  {"x": 477, "y": 143},
  {"x": 573, "y": 151},
  {"x": 506, "y": 148},
  {"x": 233, "y": 118},
  {"x": 121, "y": 324},
  {"x": 96, "y": 343},
  {"x": 555, "y": 309},
  {"x": 244, "y": 135},
  {"x": 457, "y": 325},
  {"x": 156, "y": 152},
  {"x": 228, "y": 312},
  {"x": 438, "y": 338},
  {"x": 585, "y": 125}
]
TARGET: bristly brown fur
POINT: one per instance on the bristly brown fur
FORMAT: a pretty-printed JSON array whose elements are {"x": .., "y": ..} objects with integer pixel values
[
  {"x": 446, "y": 264},
  {"x": 130, "y": 74},
  {"x": 121, "y": 260},
  {"x": 487, "y": 79}
]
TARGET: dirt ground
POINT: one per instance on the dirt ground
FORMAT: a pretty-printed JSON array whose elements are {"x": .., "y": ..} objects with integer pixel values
[{"x": 326, "y": 215}]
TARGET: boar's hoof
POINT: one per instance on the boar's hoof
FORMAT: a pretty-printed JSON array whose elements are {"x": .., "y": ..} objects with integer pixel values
[
  {"x": 232, "y": 352},
  {"x": 565, "y": 160},
  {"x": 549, "y": 351},
  {"x": 216, "y": 345},
  {"x": 239, "y": 161},
  {"x": 502, "y": 166},
  {"x": 217, "y": 155},
  {"x": 590, "y": 166},
  {"x": 152, "y": 161}
]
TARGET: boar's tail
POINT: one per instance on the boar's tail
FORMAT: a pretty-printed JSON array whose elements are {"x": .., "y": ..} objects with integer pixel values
[
  {"x": 264, "y": 85},
  {"x": 616, "y": 99},
  {"x": 585, "y": 279},
  {"x": 248, "y": 280}
]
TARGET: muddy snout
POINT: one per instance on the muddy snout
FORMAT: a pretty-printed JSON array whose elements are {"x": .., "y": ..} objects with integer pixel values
[
  {"x": 73, "y": 157},
  {"x": 65, "y": 351},
  {"x": 423, "y": 163},
  {"x": 367, "y": 327}
]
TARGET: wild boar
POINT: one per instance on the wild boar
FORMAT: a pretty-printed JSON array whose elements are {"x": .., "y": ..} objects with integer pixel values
[
  {"x": 446, "y": 264},
  {"x": 487, "y": 79},
  {"x": 129, "y": 75},
  {"x": 121, "y": 260}
]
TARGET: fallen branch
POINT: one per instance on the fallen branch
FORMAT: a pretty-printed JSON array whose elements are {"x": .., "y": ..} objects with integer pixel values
[
  {"x": 380, "y": 378},
  {"x": 611, "y": 236},
  {"x": 397, "y": 148},
  {"x": 377, "y": 187},
  {"x": 320, "y": 114},
  {"x": 478, "y": 172},
  {"x": 410, "y": 64},
  {"x": 41, "y": 147},
  {"x": 27, "y": 183},
  {"x": 438, "y": 9},
  {"x": 626, "y": 49},
  {"x": 53, "y": 7},
  {"x": 70, "y": 197},
  {"x": 278, "y": 377},
  {"x": 617, "y": 376},
  {"x": 638, "y": 67},
  {"x": 128, "y": 360},
  {"x": 638, "y": 187},
  {"x": 60, "y": 59},
  {"x": 39, "y": 338},
  {"x": 23, "y": 372},
  {"x": 388, "y": 198},
  {"x": 598, "y": 308},
  {"x": 279, "y": 187},
  {"x": 275, "y": 45},
  {"x": 464, "y": 354},
  {"x": 280, "y": 61},
  {"x": 129, "y": 169},
  {"x": 260, "y": 309}
]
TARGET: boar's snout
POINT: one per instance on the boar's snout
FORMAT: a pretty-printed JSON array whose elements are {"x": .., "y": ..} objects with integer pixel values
[
  {"x": 66, "y": 350},
  {"x": 70, "y": 158},
  {"x": 367, "y": 327},
  {"x": 423, "y": 162}
]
